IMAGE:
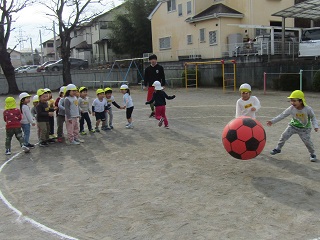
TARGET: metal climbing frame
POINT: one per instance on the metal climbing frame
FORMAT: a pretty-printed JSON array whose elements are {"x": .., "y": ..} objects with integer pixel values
[{"x": 229, "y": 79}]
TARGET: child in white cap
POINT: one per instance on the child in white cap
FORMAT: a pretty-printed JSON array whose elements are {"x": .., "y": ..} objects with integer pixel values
[
  {"x": 159, "y": 98},
  {"x": 247, "y": 105},
  {"x": 128, "y": 104},
  {"x": 27, "y": 119},
  {"x": 302, "y": 119}
]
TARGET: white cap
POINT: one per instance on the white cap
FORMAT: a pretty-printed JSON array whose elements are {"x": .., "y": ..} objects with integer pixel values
[
  {"x": 62, "y": 89},
  {"x": 47, "y": 90},
  {"x": 24, "y": 95},
  {"x": 71, "y": 87},
  {"x": 157, "y": 85},
  {"x": 35, "y": 98},
  {"x": 245, "y": 88},
  {"x": 124, "y": 87}
]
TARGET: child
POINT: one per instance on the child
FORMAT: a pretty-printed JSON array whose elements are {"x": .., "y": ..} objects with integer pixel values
[
  {"x": 60, "y": 114},
  {"x": 247, "y": 105},
  {"x": 128, "y": 104},
  {"x": 302, "y": 117},
  {"x": 159, "y": 98},
  {"x": 99, "y": 107},
  {"x": 52, "y": 109},
  {"x": 43, "y": 114},
  {"x": 84, "y": 110},
  {"x": 27, "y": 118},
  {"x": 109, "y": 114},
  {"x": 12, "y": 117},
  {"x": 72, "y": 114},
  {"x": 35, "y": 101}
]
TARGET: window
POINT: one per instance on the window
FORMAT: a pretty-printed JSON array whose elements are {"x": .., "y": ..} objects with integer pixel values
[
  {"x": 165, "y": 43},
  {"x": 50, "y": 45},
  {"x": 189, "y": 7},
  {"x": 202, "y": 35},
  {"x": 212, "y": 37},
  {"x": 75, "y": 33},
  {"x": 179, "y": 10},
  {"x": 189, "y": 39},
  {"x": 171, "y": 5}
]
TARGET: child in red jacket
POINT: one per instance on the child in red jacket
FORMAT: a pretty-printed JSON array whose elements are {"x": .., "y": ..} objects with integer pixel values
[{"x": 12, "y": 116}]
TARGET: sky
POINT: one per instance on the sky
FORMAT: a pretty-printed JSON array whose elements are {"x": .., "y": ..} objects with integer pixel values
[{"x": 30, "y": 21}]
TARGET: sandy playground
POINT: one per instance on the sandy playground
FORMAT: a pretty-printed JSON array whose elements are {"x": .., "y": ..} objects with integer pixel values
[{"x": 157, "y": 183}]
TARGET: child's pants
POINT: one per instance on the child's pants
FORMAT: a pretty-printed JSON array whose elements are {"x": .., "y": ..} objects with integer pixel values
[
  {"x": 44, "y": 129},
  {"x": 161, "y": 112},
  {"x": 304, "y": 134},
  {"x": 60, "y": 121},
  {"x": 72, "y": 128},
  {"x": 85, "y": 116},
  {"x": 109, "y": 116},
  {"x": 9, "y": 134},
  {"x": 51, "y": 124},
  {"x": 26, "y": 133}
]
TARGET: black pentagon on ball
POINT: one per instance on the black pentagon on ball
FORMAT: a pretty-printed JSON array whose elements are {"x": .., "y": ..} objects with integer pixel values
[
  {"x": 249, "y": 122},
  {"x": 252, "y": 144},
  {"x": 232, "y": 135},
  {"x": 235, "y": 155}
]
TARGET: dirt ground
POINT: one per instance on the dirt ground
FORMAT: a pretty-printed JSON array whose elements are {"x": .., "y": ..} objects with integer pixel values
[{"x": 157, "y": 183}]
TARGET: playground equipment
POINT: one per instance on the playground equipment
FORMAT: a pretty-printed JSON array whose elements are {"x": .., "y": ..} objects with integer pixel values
[{"x": 228, "y": 78}]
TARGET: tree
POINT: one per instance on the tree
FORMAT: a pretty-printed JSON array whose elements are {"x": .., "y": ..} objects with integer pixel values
[
  {"x": 132, "y": 31},
  {"x": 75, "y": 10},
  {"x": 8, "y": 8}
]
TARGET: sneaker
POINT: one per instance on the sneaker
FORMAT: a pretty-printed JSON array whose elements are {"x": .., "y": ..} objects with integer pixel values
[
  {"x": 107, "y": 129},
  {"x": 25, "y": 149},
  {"x": 160, "y": 122},
  {"x": 79, "y": 140},
  {"x": 152, "y": 115},
  {"x": 103, "y": 127},
  {"x": 8, "y": 152},
  {"x": 51, "y": 140},
  {"x": 52, "y": 136},
  {"x": 129, "y": 126},
  {"x": 275, "y": 151},
  {"x": 92, "y": 131},
  {"x": 43, "y": 144},
  {"x": 167, "y": 127},
  {"x": 97, "y": 129},
  {"x": 60, "y": 139},
  {"x": 313, "y": 158},
  {"x": 111, "y": 127},
  {"x": 83, "y": 133},
  {"x": 74, "y": 142},
  {"x": 29, "y": 145}
]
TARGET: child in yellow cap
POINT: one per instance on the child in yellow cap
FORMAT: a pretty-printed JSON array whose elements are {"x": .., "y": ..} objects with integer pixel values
[
  {"x": 302, "y": 118},
  {"x": 99, "y": 108},
  {"x": 12, "y": 116}
]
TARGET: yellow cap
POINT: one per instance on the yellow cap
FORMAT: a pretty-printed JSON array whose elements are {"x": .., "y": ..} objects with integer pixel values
[
  {"x": 40, "y": 92},
  {"x": 10, "y": 103},
  {"x": 299, "y": 95},
  {"x": 82, "y": 89},
  {"x": 99, "y": 91},
  {"x": 108, "y": 89}
]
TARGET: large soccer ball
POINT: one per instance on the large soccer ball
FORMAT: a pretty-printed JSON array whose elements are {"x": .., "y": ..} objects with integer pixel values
[{"x": 244, "y": 138}]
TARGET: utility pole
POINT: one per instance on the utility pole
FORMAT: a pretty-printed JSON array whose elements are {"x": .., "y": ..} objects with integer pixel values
[
  {"x": 41, "y": 47},
  {"x": 32, "y": 51},
  {"x": 54, "y": 42}
]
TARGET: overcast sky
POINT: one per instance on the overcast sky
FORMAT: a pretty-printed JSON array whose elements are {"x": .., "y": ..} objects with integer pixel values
[{"x": 31, "y": 20}]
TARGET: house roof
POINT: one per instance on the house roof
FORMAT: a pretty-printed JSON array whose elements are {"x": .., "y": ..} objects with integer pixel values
[
  {"x": 216, "y": 11},
  {"x": 154, "y": 10},
  {"x": 309, "y": 9},
  {"x": 83, "y": 45}
]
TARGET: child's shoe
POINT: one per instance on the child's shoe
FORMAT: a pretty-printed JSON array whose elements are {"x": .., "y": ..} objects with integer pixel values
[
  {"x": 79, "y": 140},
  {"x": 25, "y": 149},
  {"x": 60, "y": 139},
  {"x": 313, "y": 158},
  {"x": 152, "y": 114},
  {"x": 8, "y": 152},
  {"x": 43, "y": 144},
  {"x": 111, "y": 127},
  {"x": 160, "y": 122},
  {"x": 92, "y": 131},
  {"x": 107, "y": 129},
  {"x": 167, "y": 127},
  {"x": 275, "y": 151},
  {"x": 129, "y": 126},
  {"x": 103, "y": 127},
  {"x": 52, "y": 136},
  {"x": 51, "y": 140},
  {"x": 97, "y": 129},
  {"x": 74, "y": 142},
  {"x": 83, "y": 133},
  {"x": 29, "y": 145}
]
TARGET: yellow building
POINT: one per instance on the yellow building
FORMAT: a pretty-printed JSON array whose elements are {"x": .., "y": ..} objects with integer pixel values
[{"x": 206, "y": 29}]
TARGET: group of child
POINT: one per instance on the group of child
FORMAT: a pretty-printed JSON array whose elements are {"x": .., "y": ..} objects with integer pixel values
[
  {"x": 303, "y": 117},
  {"x": 72, "y": 109}
]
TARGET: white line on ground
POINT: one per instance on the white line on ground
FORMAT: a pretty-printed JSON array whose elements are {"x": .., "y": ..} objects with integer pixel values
[{"x": 26, "y": 218}]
